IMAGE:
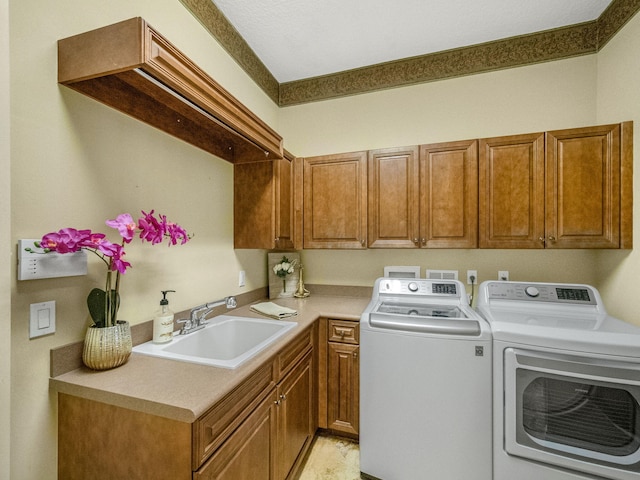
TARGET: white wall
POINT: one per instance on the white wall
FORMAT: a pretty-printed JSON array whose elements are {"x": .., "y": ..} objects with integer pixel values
[
  {"x": 5, "y": 247},
  {"x": 619, "y": 98},
  {"x": 75, "y": 162},
  {"x": 540, "y": 97}
]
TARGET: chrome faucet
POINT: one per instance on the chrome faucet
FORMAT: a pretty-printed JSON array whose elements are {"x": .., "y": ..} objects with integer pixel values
[{"x": 197, "y": 318}]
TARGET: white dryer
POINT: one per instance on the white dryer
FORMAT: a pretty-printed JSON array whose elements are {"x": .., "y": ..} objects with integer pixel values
[{"x": 566, "y": 384}]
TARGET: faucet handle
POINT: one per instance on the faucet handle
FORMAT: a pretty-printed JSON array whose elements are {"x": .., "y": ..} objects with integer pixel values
[
  {"x": 231, "y": 302},
  {"x": 187, "y": 325}
]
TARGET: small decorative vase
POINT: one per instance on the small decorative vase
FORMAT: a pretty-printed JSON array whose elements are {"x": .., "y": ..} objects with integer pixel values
[
  {"x": 284, "y": 293},
  {"x": 108, "y": 347}
]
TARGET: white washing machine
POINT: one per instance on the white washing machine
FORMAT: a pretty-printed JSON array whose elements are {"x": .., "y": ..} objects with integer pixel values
[
  {"x": 425, "y": 383},
  {"x": 566, "y": 384}
]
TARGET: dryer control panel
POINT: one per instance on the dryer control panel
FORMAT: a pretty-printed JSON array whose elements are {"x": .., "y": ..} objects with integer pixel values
[{"x": 542, "y": 292}]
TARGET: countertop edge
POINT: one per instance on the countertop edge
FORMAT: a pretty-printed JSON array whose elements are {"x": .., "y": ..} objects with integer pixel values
[{"x": 183, "y": 391}]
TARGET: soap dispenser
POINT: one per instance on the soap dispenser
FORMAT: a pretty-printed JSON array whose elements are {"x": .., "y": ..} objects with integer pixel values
[{"x": 163, "y": 321}]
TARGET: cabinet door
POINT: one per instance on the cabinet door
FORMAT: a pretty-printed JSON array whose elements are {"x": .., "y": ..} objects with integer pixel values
[
  {"x": 254, "y": 205},
  {"x": 284, "y": 211},
  {"x": 511, "y": 209},
  {"x": 295, "y": 416},
  {"x": 583, "y": 188},
  {"x": 449, "y": 195},
  {"x": 248, "y": 452},
  {"x": 335, "y": 201},
  {"x": 394, "y": 198},
  {"x": 343, "y": 389},
  {"x": 264, "y": 204}
]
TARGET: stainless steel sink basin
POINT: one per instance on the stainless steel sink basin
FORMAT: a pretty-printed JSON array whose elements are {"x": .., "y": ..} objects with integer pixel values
[{"x": 225, "y": 341}]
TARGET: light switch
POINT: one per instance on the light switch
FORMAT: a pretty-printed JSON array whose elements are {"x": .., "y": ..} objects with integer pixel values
[{"x": 42, "y": 319}]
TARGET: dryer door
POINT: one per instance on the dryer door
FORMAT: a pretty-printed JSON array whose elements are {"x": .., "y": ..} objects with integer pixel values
[{"x": 578, "y": 412}]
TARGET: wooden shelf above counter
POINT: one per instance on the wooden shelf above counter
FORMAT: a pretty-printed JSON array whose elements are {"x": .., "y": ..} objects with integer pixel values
[{"x": 132, "y": 68}]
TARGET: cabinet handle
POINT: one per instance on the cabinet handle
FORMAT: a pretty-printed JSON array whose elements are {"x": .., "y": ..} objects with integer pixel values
[
  {"x": 362, "y": 242},
  {"x": 277, "y": 402},
  {"x": 283, "y": 397},
  {"x": 552, "y": 238},
  {"x": 424, "y": 241},
  {"x": 541, "y": 239},
  {"x": 416, "y": 240},
  {"x": 355, "y": 354}
]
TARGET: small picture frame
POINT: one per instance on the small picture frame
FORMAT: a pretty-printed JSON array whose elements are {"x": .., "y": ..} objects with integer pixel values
[{"x": 283, "y": 287}]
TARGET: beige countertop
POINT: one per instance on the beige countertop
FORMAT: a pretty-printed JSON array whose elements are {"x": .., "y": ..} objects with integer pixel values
[{"x": 184, "y": 391}]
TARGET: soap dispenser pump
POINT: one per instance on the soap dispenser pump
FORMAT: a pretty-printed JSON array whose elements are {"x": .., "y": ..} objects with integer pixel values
[{"x": 163, "y": 321}]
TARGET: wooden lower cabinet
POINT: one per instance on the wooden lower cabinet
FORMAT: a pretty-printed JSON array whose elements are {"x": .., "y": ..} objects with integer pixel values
[
  {"x": 261, "y": 430},
  {"x": 343, "y": 388},
  {"x": 249, "y": 452},
  {"x": 295, "y": 418},
  {"x": 105, "y": 442},
  {"x": 339, "y": 376},
  {"x": 273, "y": 439}
]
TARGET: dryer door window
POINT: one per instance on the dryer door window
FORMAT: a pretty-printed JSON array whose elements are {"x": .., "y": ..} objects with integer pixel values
[
  {"x": 588, "y": 416},
  {"x": 577, "y": 412}
]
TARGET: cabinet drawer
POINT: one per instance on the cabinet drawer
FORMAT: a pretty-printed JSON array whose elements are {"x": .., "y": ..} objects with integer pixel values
[
  {"x": 293, "y": 353},
  {"x": 212, "y": 429},
  {"x": 344, "y": 331}
]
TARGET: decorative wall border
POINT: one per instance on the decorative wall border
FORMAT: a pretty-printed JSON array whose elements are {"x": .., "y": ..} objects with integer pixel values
[{"x": 575, "y": 40}]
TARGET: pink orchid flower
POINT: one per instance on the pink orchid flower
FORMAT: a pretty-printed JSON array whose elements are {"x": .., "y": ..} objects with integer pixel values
[
  {"x": 125, "y": 225},
  {"x": 69, "y": 240},
  {"x": 66, "y": 240},
  {"x": 151, "y": 229}
]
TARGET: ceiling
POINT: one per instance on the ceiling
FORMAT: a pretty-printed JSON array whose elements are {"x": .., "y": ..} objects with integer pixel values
[{"x": 299, "y": 39}]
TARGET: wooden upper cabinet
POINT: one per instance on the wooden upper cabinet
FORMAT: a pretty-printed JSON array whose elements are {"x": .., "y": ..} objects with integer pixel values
[
  {"x": 335, "y": 201},
  {"x": 132, "y": 68},
  {"x": 266, "y": 206},
  {"x": 284, "y": 177},
  {"x": 449, "y": 195},
  {"x": 585, "y": 170},
  {"x": 511, "y": 178},
  {"x": 561, "y": 189},
  {"x": 394, "y": 198}
]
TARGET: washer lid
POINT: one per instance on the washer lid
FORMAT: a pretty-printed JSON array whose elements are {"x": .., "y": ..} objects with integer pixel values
[{"x": 420, "y": 310}]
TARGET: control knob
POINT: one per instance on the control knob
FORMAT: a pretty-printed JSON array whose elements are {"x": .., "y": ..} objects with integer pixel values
[
  {"x": 413, "y": 286},
  {"x": 532, "y": 292}
]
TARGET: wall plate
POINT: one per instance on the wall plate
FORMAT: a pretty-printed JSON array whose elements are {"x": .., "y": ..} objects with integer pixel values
[
  {"x": 37, "y": 264},
  {"x": 42, "y": 319}
]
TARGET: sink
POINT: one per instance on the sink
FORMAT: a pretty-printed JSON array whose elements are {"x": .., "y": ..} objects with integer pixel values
[{"x": 225, "y": 341}]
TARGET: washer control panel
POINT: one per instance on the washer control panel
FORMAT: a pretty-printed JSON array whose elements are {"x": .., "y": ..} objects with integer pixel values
[
  {"x": 542, "y": 292},
  {"x": 406, "y": 286}
]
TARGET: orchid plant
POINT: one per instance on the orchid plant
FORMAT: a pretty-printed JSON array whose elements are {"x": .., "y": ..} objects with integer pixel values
[{"x": 103, "y": 304}]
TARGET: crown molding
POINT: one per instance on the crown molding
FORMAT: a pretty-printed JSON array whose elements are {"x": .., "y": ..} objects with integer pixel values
[{"x": 572, "y": 41}]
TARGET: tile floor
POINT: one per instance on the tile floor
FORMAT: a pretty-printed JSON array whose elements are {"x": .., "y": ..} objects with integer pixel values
[{"x": 332, "y": 458}]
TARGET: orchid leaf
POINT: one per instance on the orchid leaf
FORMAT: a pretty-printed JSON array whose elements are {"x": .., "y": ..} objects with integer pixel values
[{"x": 97, "y": 303}]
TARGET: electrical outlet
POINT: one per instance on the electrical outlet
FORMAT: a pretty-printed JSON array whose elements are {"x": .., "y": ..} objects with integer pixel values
[
  {"x": 474, "y": 274},
  {"x": 503, "y": 275}
]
